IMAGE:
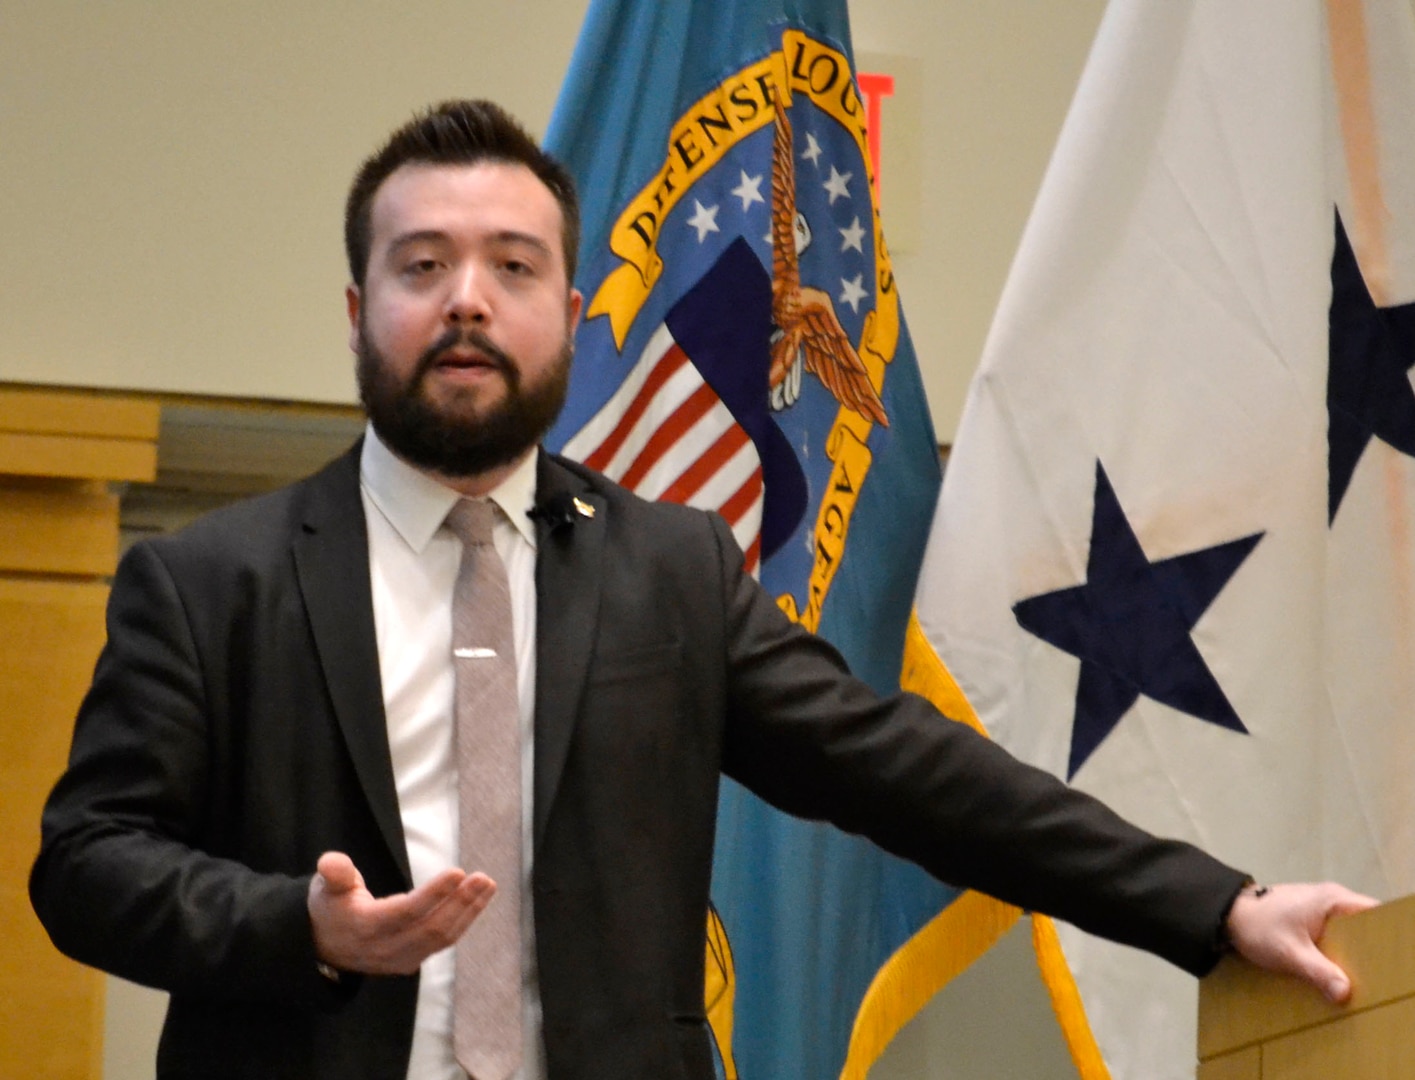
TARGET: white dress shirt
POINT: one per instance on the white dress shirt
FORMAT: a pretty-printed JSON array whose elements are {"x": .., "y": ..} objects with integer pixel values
[{"x": 413, "y": 565}]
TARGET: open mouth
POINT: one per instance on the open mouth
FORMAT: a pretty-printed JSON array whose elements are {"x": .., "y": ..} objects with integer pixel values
[{"x": 468, "y": 361}]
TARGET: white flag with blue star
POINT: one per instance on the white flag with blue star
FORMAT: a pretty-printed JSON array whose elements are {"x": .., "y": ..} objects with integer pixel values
[{"x": 1174, "y": 559}]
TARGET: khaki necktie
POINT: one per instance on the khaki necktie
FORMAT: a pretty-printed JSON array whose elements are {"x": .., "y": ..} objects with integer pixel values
[{"x": 487, "y": 992}]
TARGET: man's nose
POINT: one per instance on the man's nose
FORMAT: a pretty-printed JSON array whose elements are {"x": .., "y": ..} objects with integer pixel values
[{"x": 467, "y": 300}]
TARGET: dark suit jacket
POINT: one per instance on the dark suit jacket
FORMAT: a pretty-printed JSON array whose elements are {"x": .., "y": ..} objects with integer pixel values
[{"x": 235, "y": 731}]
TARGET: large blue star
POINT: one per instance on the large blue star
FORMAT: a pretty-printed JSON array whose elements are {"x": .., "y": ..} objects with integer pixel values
[
  {"x": 1129, "y": 625},
  {"x": 1371, "y": 350}
]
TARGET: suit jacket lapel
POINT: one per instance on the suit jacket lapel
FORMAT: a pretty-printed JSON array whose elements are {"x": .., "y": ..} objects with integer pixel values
[
  {"x": 331, "y": 563},
  {"x": 567, "y": 613}
]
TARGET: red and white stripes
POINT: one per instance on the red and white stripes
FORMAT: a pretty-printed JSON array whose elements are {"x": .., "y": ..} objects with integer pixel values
[{"x": 666, "y": 435}]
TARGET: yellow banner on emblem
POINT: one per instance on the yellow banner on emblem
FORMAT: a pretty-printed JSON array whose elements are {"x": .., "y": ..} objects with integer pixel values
[{"x": 699, "y": 140}]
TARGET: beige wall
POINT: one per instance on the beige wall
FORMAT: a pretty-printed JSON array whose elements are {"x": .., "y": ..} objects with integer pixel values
[
  {"x": 173, "y": 173},
  {"x": 171, "y": 184},
  {"x": 997, "y": 80}
]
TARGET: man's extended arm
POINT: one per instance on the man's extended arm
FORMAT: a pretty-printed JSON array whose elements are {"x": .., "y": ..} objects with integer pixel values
[{"x": 939, "y": 794}]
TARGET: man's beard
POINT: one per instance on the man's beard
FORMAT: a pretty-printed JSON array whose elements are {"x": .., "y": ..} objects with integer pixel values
[{"x": 458, "y": 439}]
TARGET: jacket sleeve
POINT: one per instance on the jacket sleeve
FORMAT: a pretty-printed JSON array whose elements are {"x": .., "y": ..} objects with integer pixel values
[
  {"x": 121, "y": 881},
  {"x": 812, "y": 740}
]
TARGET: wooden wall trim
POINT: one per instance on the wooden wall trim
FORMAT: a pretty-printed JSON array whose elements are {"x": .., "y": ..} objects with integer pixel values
[
  {"x": 43, "y": 411},
  {"x": 77, "y": 435}
]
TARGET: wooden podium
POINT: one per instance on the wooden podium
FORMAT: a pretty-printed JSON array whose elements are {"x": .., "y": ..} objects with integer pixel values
[{"x": 1256, "y": 1026}]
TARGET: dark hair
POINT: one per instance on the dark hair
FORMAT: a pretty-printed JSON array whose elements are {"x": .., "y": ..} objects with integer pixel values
[{"x": 456, "y": 133}]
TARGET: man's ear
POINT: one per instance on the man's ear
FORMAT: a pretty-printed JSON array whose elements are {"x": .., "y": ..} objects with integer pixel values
[
  {"x": 577, "y": 301},
  {"x": 353, "y": 300}
]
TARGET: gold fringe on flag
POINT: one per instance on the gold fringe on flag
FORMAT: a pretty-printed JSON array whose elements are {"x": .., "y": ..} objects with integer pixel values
[
  {"x": 938, "y": 953},
  {"x": 965, "y": 929},
  {"x": 1066, "y": 1001},
  {"x": 953, "y": 938}
]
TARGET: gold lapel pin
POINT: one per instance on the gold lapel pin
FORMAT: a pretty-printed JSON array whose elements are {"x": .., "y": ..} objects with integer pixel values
[{"x": 584, "y": 508}]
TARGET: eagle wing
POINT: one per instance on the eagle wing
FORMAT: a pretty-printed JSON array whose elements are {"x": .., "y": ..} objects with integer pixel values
[{"x": 832, "y": 358}]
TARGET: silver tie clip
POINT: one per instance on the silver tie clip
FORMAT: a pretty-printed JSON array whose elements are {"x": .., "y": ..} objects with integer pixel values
[{"x": 478, "y": 653}]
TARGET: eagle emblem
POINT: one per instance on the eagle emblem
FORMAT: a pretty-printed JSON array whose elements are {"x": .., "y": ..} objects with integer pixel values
[{"x": 808, "y": 333}]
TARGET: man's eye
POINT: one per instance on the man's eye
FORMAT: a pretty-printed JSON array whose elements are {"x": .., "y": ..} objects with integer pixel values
[{"x": 422, "y": 266}]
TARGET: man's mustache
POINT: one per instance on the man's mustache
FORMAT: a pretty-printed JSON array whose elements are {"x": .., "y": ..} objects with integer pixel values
[{"x": 472, "y": 338}]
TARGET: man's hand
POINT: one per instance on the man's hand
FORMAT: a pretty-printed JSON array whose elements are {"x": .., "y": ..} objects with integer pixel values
[
  {"x": 354, "y": 931},
  {"x": 1278, "y": 929}
]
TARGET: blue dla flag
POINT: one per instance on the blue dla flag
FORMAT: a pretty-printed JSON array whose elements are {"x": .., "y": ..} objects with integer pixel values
[
  {"x": 743, "y": 351},
  {"x": 1175, "y": 553}
]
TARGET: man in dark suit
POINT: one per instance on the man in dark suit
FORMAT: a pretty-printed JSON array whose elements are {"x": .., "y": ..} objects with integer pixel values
[{"x": 259, "y": 810}]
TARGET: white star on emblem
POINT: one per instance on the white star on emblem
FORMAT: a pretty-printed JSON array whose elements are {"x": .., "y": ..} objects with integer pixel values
[
  {"x": 813, "y": 150},
  {"x": 853, "y": 237},
  {"x": 854, "y": 292},
  {"x": 836, "y": 185},
  {"x": 704, "y": 220},
  {"x": 749, "y": 190}
]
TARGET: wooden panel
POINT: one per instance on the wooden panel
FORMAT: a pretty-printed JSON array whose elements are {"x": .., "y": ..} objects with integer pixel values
[
  {"x": 77, "y": 456},
  {"x": 50, "y": 1007},
  {"x": 58, "y": 528},
  {"x": 1376, "y": 947},
  {"x": 1240, "y": 1005},
  {"x": 1239, "y": 1065},
  {"x": 1377, "y": 1043},
  {"x": 71, "y": 412}
]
